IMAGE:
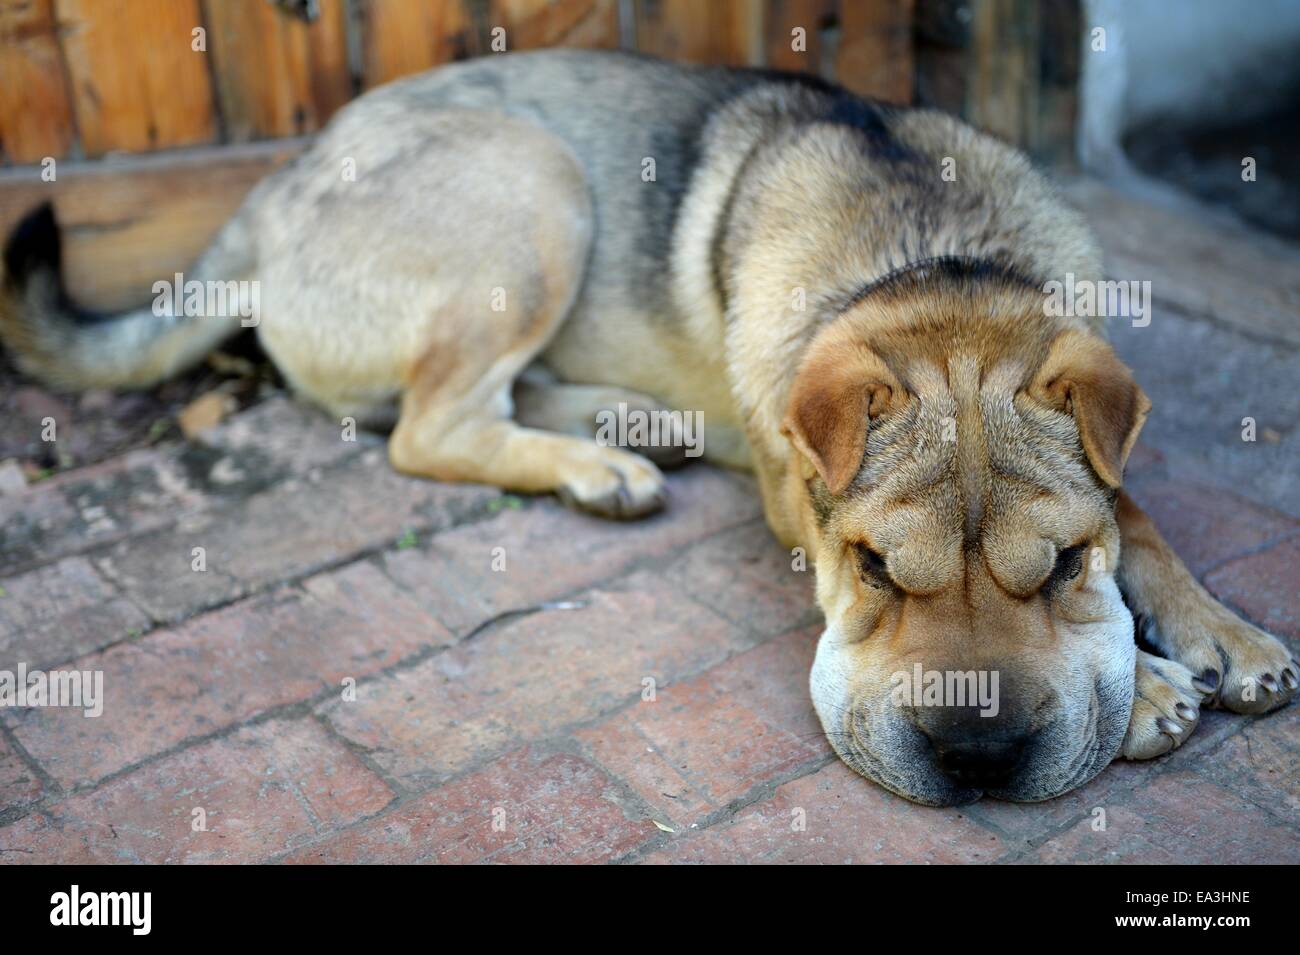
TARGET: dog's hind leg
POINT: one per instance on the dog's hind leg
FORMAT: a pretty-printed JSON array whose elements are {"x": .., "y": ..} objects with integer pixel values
[
  {"x": 584, "y": 410},
  {"x": 455, "y": 421},
  {"x": 1236, "y": 665},
  {"x": 467, "y": 435},
  {"x": 431, "y": 278}
]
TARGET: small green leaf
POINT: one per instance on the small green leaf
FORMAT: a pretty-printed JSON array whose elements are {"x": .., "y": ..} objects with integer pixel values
[{"x": 505, "y": 502}]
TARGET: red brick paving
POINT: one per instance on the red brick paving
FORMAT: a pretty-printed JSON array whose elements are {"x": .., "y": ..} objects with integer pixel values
[
  {"x": 750, "y": 579},
  {"x": 522, "y": 557},
  {"x": 830, "y": 816},
  {"x": 701, "y": 744},
  {"x": 524, "y": 807},
  {"x": 223, "y": 668},
  {"x": 1261, "y": 763},
  {"x": 1264, "y": 587},
  {"x": 61, "y": 611},
  {"x": 1180, "y": 817},
  {"x": 88, "y": 507},
  {"x": 298, "y": 526},
  {"x": 531, "y": 678},
  {"x": 263, "y": 790},
  {"x": 352, "y": 679},
  {"x": 19, "y": 784},
  {"x": 1207, "y": 525}
]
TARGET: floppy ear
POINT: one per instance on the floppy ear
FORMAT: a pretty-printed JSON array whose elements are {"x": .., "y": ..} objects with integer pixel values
[
  {"x": 836, "y": 393},
  {"x": 1083, "y": 377}
]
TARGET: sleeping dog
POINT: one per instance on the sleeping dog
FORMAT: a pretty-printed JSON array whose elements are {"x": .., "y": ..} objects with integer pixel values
[{"x": 850, "y": 296}]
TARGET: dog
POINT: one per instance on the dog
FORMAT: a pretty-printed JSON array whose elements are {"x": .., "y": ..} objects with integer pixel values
[{"x": 850, "y": 295}]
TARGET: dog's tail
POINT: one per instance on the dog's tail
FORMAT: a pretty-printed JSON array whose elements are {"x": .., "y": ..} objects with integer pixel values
[{"x": 67, "y": 347}]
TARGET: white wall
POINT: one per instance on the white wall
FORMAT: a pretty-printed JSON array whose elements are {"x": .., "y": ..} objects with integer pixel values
[{"x": 1193, "y": 62}]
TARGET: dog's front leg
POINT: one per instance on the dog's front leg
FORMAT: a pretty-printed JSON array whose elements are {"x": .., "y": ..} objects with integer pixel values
[{"x": 1236, "y": 665}]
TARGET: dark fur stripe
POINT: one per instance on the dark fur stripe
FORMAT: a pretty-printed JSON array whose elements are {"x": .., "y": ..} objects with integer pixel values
[{"x": 939, "y": 268}]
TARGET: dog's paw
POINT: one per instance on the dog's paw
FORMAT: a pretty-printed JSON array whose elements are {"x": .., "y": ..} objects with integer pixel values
[
  {"x": 614, "y": 483},
  {"x": 1166, "y": 707},
  {"x": 1239, "y": 666}
]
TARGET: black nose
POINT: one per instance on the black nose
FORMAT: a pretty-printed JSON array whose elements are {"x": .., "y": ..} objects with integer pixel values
[{"x": 988, "y": 763}]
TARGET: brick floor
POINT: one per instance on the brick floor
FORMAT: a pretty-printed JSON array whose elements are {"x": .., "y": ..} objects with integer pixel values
[
  {"x": 373, "y": 668},
  {"x": 1263, "y": 586},
  {"x": 531, "y": 678},
  {"x": 19, "y": 784},
  {"x": 60, "y": 611},
  {"x": 524, "y": 807},
  {"x": 704, "y": 743},
  {"x": 257, "y": 792},
  {"x": 223, "y": 668},
  {"x": 829, "y": 816},
  {"x": 1180, "y": 817}
]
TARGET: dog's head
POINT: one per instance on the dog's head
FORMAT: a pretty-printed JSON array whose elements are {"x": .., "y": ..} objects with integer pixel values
[{"x": 957, "y": 459}]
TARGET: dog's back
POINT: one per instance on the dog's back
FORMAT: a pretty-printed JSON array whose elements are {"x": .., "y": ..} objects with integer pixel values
[
  {"x": 661, "y": 146},
  {"x": 637, "y": 125}
]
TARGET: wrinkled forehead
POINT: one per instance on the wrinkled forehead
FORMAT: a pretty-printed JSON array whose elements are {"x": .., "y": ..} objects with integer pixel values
[
  {"x": 970, "y": 464},
  {"x": 968, "y": 421}
]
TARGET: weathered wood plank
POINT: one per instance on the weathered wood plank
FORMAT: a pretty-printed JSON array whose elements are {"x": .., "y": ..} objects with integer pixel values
[
  {"x": 875, "y": 52},
  {"x": 132, "y": 220},
  {"x": 137, "y": 83},
  {"x": 399, "y": 37},
  {"x": 332, "y": 83},
  {"x": 534, "y": 24},
  {"x": 723, "y": 31},
  {"x": 941, "y": 36},
  {"x": 813, "y": 18},
  {"x": 1002, "y": 96},
  {"x": 35, "y": 111},
  {"x": 276, "y": 75},
  {"x": 1053, "y": 138},
  {"x": 1010, "y": 67}
]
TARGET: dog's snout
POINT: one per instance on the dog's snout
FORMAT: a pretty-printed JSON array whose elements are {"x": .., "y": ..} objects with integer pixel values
[
  {"x": 981, "y": 763},
  {"x": 975, "y": 752}
]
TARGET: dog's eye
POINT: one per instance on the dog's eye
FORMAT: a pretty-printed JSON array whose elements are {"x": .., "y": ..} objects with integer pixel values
[
  {"x": 1068, "y": 564},
  {"x": 872, "y": 565}
]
